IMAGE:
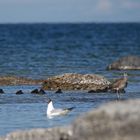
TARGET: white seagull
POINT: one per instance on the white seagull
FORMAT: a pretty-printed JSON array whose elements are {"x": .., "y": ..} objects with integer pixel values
[{"x": 51, "y": 111}]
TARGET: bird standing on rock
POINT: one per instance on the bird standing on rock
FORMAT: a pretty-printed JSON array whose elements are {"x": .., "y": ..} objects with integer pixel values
[{"x": 119, "y": 85}]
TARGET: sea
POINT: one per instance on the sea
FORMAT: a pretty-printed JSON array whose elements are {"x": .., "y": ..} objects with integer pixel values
[{"x": 39, "y": 51}]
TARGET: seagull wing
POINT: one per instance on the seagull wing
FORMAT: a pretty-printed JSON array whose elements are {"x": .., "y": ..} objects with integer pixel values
[
  {"x": 69, "y": 109},
  {"x": 115, "y": 83},
  {"x": 61, "y": 111}
]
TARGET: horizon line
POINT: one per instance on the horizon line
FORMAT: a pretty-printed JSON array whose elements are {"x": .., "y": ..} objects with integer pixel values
[{"x": 82, "y": 22}]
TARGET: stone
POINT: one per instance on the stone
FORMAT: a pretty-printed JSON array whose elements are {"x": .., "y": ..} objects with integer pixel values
[
  {"x": 19, "y": 92},
  {"x": 126, "y": 63},
  {"x": 59, "y": 91},
  {"x": 1, "y": 91},
  {"x": 112, "y": 121},
  {"x": 35, "y": 91},
  {"x": 98, "y": 90},
  {"x": 41, "y": 91},
  {"x": 72, "y": 81}
]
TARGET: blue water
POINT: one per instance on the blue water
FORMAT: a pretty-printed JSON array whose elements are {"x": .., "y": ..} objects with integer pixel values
[{"x": 43, "y": 50}]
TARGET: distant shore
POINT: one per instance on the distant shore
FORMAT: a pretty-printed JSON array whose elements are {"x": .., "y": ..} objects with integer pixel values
[{"x": 13, "y": 80}]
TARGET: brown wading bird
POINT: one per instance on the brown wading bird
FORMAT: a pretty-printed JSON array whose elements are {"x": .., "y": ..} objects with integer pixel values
[{"x": 119, "y": 85}]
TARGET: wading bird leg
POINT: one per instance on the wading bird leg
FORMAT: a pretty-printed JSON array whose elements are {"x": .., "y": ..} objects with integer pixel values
[{"x": 118, "y": 94}]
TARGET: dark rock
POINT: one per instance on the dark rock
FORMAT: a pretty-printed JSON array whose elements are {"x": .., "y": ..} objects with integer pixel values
[
  {"x": 91, "y": 91},
  {"x": 59, "y": 91},
  {"x": 1, "y": 91},
  {"x": 35, "y": 91},
  {"x": 98, "y": 90},
  {"x": 126, "y": 63},
  {"x": 71, "y": 81},
  {"x": 19, "y": 92},
  {"x": 41, "y": 91}
]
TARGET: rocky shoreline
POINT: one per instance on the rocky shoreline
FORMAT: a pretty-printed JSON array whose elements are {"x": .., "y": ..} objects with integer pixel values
[
  {"x": 68, "y": 81},
  {"x": 13, "y": 80},
  {"x": 112, "y": 121},
  {"x": 75, "y": 81}
]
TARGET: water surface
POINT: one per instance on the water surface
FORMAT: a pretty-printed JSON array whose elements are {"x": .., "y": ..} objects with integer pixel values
[{"x": 43, "y": 50}]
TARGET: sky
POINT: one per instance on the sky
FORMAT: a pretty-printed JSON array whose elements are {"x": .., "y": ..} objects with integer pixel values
[{"x": 30, "y": 11}]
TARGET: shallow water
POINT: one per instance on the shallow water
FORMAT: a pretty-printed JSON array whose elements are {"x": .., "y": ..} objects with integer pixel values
[
  {"x": 43, "y": 50},
  {"x": 29, "y": 111}
]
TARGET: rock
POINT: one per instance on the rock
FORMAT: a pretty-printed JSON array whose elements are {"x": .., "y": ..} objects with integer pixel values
[
  {"x": 59, "y": 91},
  {"x": 71, "y": 81},
  {"x": 98, "y": 90},
  {"x": 1, "y": 91},
  {"x": 35, "y": 91},
  {"x": 41, "y": 91},
  {"x": 11, "y": 80},
  {"x": 126, "y": 63},
  {"x": 19, "y": 92},
  {"x": 40, "y": 134},
  {"x": 112, "y": 121}
]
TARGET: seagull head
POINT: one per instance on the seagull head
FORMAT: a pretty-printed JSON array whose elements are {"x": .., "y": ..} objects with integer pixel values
[{"x": 49, "y": 100}]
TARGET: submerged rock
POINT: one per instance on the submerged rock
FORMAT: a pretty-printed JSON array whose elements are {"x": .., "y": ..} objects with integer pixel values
[
  {"x": 98, "y": 90},
  {"x": 59, "y": 91},
  {"x": 41, "y": 91},
  {"x": 11, "y": 80},
  {"x": 126, "y": 63},
  {"x": 71, "y": 81},
  {"x": 19, "y": 92},
  {"x": 36, "y": 91},
  {"x": 1, "y": 91},
  {"x": 113, "y": 121}
]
